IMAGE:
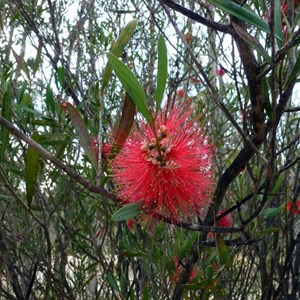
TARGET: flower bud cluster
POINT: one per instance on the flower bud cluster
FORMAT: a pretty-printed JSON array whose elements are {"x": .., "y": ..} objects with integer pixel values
[{"x": 158, "y": 148}]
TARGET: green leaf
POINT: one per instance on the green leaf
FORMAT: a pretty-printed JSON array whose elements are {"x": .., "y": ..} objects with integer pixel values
[
  {"x": 295, "y": 71},
  {"x": 209, "y": 272},
  {"x": 188, "y": 242},
  {"x": 49, "y": 99},
  {"x": 297, "y": 18},
  {"x": 117, "y": 49},
  {"x": 38, "y": 58},
  {"x": 111, "y": 281},
  {"x": 126, "y": 212},
  {"x": 131, "y": 86},
  {"x": 21, "y": 63},
  {"x": 269, "y": 230},
  {"x": 267, "y": 104},
  {"x": 55, "y": 139},
  {"x": 6, "y": 113},
  {"x": 272, "y": 212},
  {"x": 162, "y": 71},
  {"x": 278, "y": 22},
  {"x": 277, "y": 186},
  {"x": 242, "y": 13},
  {"x": 60, "y": 77},
  {"x": 31, "y": 169},
  {"x": 223, "y": 252},
  {"x": 83, "y": 134}
]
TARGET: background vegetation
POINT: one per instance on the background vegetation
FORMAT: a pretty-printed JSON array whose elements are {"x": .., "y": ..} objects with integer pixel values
[{"x": 237, "y": 61}]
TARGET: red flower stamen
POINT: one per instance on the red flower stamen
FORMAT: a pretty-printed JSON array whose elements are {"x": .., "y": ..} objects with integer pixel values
[{"x": 169, "y": 169}]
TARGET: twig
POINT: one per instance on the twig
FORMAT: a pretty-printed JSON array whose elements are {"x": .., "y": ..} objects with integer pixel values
[{"x": 47, "y": 156}]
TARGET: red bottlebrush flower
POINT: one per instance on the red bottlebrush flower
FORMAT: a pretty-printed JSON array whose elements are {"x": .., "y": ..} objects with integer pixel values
[
  {"x": 63, "y": 106},
  {"x": 188, "y": 37},
  {"x": 293, "y": 208},
  {"x": 220, "y": 71},
  {"x": 130, "y": 224},
  {"x": 225, "y": 221},
  {"x": 167, "y": 169},
  {"x": 284, "y": 8},
  {"x": 180, "y": 93},
  {"x": 105, "y": 150}
]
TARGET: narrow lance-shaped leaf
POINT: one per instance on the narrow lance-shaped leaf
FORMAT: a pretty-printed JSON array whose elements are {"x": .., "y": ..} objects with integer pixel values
[
  {"x": 242, "y": 13},
  {"x": 117, "y": 48},
  {"x": 49, "y": 99},
  {"x": 278, "y": 22},
  {"x": 110, "y": 279},
  {"x": 31, "y": 169},
  {"x": 131, "y": 86},
  {"x": 295, "y": 71},
  {"x": 83, "y": 134},
  {"x": 6, "y": 113},
  {"x": 162, "y": 71},
  {"x": 60, "y": 78},
  {"x": 223, "y": 252},
  {"x": 38, "y": 58},
  {"x": 125, "y": 124},
  {"x": 267, "y": 104},
  {"x": 126, "y": 212}
]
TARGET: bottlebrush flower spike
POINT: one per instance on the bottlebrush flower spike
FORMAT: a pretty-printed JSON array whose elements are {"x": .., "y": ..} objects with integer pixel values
[
  {"x": 180, "y": 93},
  {"x": 167, "y": 169},
  {"x": 130, "y": 224},
  {"x": 220, "y": 71},
  {"x": 293, "y": 208},
  {"x": 225, "y": 221}
]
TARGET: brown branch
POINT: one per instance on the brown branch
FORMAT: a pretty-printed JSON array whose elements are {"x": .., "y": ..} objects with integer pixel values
[
  {"x": 196, "y": 227},
  {"x": 292, "y": 109},
  {"x": 194, "y": 16},
  {"x": 47, "y": 156},
  {"x": 230, "y": 243}
]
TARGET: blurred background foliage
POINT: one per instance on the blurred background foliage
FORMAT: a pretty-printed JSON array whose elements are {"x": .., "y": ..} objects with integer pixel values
[{"x": 57, "y": 238}]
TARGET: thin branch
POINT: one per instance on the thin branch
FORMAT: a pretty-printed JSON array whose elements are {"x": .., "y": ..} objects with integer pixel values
[
  {"x": 196, "y": 17},
  {"x": 196, "y": 227},
  {"x": 47, "y": 156},
  {"x": 230, "y": 243}
]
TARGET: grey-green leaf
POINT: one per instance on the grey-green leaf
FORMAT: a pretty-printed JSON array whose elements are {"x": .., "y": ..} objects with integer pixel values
[
  {"x": 131, "y": 85},
  {"x": 162, "y": 71},
  {"x": 241, "y": 13},
  {"x": 83, "y": 134},
  {"x": 126, "y": 212}
]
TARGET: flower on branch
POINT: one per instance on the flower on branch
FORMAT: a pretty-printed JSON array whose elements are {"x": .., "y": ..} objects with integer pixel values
[
  {"x": 220, "y": 71},
  {"x": 180, "y": 93},
  {"x": 166, "y": 167},
  {"x": 225, "y": 221},
  {"x": 293, "y": 208}
]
